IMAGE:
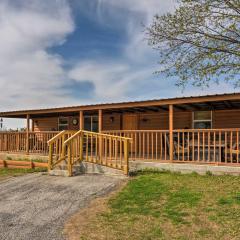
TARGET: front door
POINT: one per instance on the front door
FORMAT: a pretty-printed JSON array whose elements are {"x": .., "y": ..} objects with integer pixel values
[{"x": 130, "y": 122}]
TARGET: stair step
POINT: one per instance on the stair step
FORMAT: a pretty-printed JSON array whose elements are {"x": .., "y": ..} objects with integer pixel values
[
  {"x": 64, "y": 172},
  {"x": 57, "y": 172},
  {"x": 86, "y": 168}
]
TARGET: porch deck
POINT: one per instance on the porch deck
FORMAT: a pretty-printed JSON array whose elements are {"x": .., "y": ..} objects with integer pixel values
[{"x": 201, "y": 146}]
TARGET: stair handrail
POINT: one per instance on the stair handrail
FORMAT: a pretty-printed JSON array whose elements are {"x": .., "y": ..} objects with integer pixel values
[
  {"x": 95, "y": 133},
  {"x": 66, "y": 145},
  {"x": 51, "y": 143},
  {"x": 56, "y": 137}
]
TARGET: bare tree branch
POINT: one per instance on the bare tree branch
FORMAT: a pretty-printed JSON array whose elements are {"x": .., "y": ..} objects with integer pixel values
[{"x": 199, "y": 42}]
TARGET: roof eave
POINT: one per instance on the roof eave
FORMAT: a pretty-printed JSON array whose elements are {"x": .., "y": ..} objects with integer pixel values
[{"x": 159, "y": 102}]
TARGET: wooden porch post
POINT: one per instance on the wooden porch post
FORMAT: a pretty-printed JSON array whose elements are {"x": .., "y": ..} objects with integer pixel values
[
  {"x": 33, "y": 125},
  {"x": 100, "y": 130},
  {"x": 171, "y": 132},
  {"x": 81, "y": 127},
  {"x": 27, "y": 133},
  {"x": 81, "y": 120},
  {"x": 99, "y": 120}
]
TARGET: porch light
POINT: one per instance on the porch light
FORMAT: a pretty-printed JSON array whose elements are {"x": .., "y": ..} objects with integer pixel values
[
  {"x": 111, "y": 119},
  {"x": 145, "y": 119}
]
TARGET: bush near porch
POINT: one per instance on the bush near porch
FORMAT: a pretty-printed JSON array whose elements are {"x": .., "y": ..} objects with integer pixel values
[{"x": 164, "y": 205}]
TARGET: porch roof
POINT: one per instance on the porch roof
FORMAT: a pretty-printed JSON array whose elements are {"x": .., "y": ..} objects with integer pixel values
[{"x": 192, "y": 103}]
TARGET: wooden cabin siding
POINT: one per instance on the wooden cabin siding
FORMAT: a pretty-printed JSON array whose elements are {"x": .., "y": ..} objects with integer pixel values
[
  {"x": 109, "y": 124},
  {"x": 46, "y": 124},
  {"x": 152, "y": 121},
  {"x": 182, "y": 120},
  {"x": 226, "y": 119},
  {"x": 160, "y": 121},
  {"x": 148, "y": 121},
  {"x": 51, "y": 124}
]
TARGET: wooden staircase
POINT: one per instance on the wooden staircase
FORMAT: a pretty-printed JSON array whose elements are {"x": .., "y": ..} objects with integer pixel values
[{"x": 69, "y": 149}]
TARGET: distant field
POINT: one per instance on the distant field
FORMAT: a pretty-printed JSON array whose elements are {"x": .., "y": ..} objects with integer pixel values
[{"x": 167, "y": 206}]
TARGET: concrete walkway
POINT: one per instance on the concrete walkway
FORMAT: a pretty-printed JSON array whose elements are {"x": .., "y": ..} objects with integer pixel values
[{"x": 35, "y": 206}]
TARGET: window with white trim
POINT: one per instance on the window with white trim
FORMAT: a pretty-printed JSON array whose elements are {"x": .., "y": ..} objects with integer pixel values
[
  {"x": 202, "y": 120},
  {"x": 63, "y": 123}
]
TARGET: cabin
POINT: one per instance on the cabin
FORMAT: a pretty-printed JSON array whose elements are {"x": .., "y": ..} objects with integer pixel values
[{"x": 198, "y": 129}]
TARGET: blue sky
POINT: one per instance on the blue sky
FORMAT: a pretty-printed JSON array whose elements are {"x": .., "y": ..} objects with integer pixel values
[{"x": 71, "y": 52}]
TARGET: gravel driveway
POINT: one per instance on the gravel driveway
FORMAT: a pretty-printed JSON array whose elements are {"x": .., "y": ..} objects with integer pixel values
[{"x": 35, "y": 206}]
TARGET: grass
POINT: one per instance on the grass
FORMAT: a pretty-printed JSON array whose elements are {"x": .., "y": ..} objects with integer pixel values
[
  {"x": 164, "y": 205},
  {"x": 26, "y": 159},
  {"x": 6, "y": 172}
]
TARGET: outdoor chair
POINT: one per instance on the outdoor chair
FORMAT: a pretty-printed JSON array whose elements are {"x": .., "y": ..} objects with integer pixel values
[
  {"x": 233, "y": 152},
  {"x": 180, "y": 149}
]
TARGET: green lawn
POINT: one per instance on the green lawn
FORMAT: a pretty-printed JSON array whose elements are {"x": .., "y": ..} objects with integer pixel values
[
  {"x": 171, "y": 206},
  {"x": 27, "y": 159},
  {"x": 6, "y": 172}
]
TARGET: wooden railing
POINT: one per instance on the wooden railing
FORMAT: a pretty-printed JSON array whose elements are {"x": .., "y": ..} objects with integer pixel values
[
  {"x": 21, "y": 142},
  {"x": 103, "y": 149},
  {"x": 216, "y": 146},
  {"x": 56, "y": 151},
  {"x": 213, "y": 146},
  {"x": 146, "y": 144}
]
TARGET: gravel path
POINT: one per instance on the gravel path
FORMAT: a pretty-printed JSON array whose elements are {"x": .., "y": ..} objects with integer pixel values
[{"x": 35, "y": 206}]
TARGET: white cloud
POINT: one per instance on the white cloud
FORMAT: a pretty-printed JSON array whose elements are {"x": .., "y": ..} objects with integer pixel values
[
  {"x": 142, "y": 13},
  {"x": 146, "y": 7},
  {"x": 30, "y": 75},
  {"x": 112, "y": 81},
  {"x": 115, "y": 79}
]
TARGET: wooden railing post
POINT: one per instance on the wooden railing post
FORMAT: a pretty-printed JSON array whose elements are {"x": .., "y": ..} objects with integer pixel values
[
  {"x": 100, "y": 137},
  {"x": 126, "y": 157},
  {"x": 81, "y": 147},
  {"x": 32, "y": 164},
  {"x": 17, "y": 142},
  {"x": 27, "y": 134},
  {"x": 6, "y": 142},
  {"x": 63, "y": 150},
  {"x": 69, "y": 160},
  {"x": 171, "y": 133},
  {"x": 50, "y": 159},
  {"x": 4, "y": 163}
]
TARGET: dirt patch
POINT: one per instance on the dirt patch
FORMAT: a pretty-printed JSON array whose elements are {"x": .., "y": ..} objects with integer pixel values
[{"x": 85, "y": 221}]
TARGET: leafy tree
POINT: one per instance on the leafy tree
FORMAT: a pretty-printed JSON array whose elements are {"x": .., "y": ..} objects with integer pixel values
[{"x": 199, "y": 42}]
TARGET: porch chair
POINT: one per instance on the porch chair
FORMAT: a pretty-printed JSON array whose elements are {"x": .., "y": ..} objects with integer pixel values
[
  {"x": 234, "y": 152},
  {"x": 180, "y": 149}
]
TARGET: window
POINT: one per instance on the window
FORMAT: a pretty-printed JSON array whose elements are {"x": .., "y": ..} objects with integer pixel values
[
  {"x": 202, "y": 120},
  {"x": 91, "y": 123},
  {"x": 63, "y": 123}
]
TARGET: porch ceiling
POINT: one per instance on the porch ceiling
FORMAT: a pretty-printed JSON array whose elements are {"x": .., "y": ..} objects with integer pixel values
[
  {"x": 200, "y": 103},
  {"x": 200, "y": 106}
]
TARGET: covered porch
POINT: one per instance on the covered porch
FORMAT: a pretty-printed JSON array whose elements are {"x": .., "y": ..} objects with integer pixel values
[{"x": 203, "y": 130}]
